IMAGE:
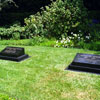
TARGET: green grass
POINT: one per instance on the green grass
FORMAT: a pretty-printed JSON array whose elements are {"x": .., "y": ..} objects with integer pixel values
[
  {"x": 30, "y": 42},
  {"x": 15, "y": 42},
  {"x": 42, "y": 76}
]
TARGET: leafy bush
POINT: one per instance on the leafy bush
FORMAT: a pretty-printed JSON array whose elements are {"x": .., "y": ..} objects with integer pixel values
[
  {"x": 89, "y": 46},
  {"x": 37, "y": 40},
  {"x": 60, "y": 18},
  {"x": 95, "y": 32},
  {"x": 14, "y": 32}
]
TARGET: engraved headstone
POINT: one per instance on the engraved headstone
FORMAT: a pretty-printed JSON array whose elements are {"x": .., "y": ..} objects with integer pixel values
[
  {"x": 13, "y": 53},
  {"x": 86, "y": 63}
]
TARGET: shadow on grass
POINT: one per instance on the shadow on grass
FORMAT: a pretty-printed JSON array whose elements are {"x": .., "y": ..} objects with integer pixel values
[{"x": 97, "y": 53}]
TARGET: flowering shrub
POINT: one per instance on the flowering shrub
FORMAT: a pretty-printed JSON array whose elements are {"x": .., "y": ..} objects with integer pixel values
[
  {"x": 72, "y": 41},
  {"x": 64, "y": 42}
]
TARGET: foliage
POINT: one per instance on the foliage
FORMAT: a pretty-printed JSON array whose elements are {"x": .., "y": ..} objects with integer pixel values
[
  {"x": 89, "y": 46},
  {"x": 64, "y": 42},
  {"x": 37, "y": 40},
  {"x": 49, "y": 43},
  {"x": 73, "y": 40},
  {"x": 34, "y": 27},
  {"x": 14, "y": 32},
  {"x": 5, "y": 3},
  {"x": 95, "y": 32},
  {"x": 60, "y": 18}
]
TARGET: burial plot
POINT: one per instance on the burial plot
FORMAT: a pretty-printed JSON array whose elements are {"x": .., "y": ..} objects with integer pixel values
[
  {"x": 13, "y": 54},
  {"x": 85, "y": 63}
]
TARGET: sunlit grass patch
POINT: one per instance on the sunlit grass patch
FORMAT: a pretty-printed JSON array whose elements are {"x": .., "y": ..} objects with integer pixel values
[{"x": 43, "y": 76}]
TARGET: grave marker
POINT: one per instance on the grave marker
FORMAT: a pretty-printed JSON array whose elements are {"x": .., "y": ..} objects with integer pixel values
[
  {"x": 85, "y": 63},
  {"x": 13, "y": 53}
]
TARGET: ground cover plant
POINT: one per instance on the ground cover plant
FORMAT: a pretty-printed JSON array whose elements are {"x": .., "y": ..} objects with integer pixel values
[{"x": 42, "y": 77}]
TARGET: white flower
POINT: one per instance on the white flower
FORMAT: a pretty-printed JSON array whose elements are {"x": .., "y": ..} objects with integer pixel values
[
  {"x": 61, "y": 41},
  {"x": 63, "y": 38},
  {"x": 57, "y": 41},
  {"x": 65, "y": 42},
  {"x": 80, "y": 31},
  {"x": 72, "y": 33},
  {"x": 78, "y": 37},
  {"x": 75, "y": 35},
  {"x": 56, "y": 45},
  {"x": 68, "y": 40},
  {"x": 87, "y": 37},
  {"x": 69, "y": 37}
]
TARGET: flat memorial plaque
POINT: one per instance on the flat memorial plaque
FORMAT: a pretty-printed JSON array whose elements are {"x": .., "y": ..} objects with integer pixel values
[
  {"x": 85, "y": 63},
  {"x": 13, "y": 53},
  {"x": 87, "y": 58}
]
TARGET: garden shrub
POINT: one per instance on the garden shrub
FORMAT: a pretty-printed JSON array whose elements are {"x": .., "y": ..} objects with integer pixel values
[
  {"x": 60, "y": 18},
  {"x": 37, "y": 40},
  {"x": 95, "y": 32},
  {"x": 14, "y": 32},
  {"x": 75, "y": 40},
  {"x": 89, "y": 46}
]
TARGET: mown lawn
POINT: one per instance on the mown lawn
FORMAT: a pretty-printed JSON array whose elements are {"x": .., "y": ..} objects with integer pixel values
[{"x": 42, "y": 76}]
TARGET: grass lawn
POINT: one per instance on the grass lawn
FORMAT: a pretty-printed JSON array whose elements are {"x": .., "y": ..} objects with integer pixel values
[{"x": 42, "y": 77}]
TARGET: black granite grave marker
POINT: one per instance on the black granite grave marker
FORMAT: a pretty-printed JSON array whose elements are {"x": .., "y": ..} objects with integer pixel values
[
  {"x": 13, "y": 53},
  {"x": 86, "y": 63}
]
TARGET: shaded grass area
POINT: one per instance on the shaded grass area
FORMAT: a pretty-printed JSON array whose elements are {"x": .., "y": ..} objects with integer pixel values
[
  {"x": 42, "y": 77},
  {"x": 30, "y": 42},
  {"x": 24, "y": 42},
  {"x": 49, "y": 43}
]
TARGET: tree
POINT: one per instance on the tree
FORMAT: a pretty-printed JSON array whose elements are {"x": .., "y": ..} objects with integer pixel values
[{"x": 6, "y": 3}]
